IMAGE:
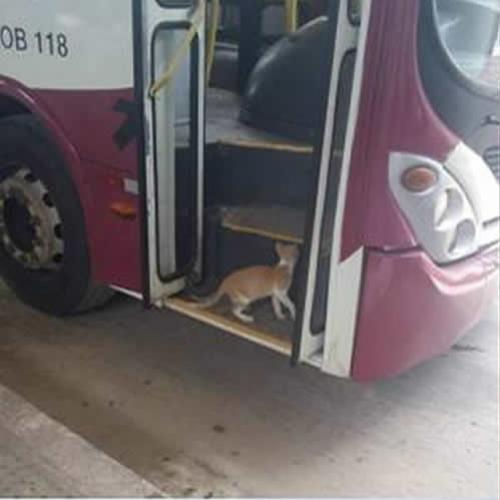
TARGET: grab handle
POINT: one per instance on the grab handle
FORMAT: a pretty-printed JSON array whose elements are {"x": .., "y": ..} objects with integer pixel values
[{"x": 179, "y": 54}]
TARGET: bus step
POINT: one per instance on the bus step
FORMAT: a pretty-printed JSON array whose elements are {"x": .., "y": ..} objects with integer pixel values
[{"x": 279, "y": 223}]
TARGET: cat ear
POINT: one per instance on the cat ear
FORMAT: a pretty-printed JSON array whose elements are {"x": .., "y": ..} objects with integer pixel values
[{"x": 278, "y": 247}]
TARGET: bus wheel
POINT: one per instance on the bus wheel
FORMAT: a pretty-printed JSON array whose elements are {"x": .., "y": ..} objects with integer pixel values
[{"x": 43, "y": 252}]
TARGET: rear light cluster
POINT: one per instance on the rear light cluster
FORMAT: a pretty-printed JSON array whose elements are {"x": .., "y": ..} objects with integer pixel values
[
  {"x": 449, "y": 210},
  {"x": 449, "y": 207},
  {"x": 435, "y": 205}
]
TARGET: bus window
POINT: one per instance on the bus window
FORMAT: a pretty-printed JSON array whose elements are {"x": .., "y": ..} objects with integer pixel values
[{"x": 469, "y": 30}]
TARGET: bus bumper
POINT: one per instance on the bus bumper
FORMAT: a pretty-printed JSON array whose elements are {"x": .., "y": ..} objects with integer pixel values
[{"x": 411, "y": 309}]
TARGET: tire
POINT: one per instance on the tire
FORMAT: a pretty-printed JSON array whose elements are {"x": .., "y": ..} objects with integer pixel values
[{"x": 58, "y": 284}]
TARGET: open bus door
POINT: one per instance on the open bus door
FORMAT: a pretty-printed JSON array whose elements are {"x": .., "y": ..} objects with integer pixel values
[
  {"x": 325, "y": 336},
  {"x": 173, "y": 61},
  {"x": 170, "y": 83}
]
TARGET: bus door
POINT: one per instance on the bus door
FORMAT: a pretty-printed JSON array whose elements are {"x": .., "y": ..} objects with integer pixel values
[
  {"x": 326, "y": 336},
  {"x": 169, "y": 59}
]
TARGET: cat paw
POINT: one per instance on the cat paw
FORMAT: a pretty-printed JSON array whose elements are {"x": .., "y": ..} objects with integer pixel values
[{"x": 244, "y": 317}]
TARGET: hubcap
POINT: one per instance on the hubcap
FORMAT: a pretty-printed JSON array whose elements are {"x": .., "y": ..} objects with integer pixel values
[{"x": 30, "y": 225}]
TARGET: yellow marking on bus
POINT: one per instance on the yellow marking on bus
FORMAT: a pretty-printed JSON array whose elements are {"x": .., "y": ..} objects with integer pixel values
[
  {"x": 262, "y": 232},
  {"x": 277, "y": 146}
]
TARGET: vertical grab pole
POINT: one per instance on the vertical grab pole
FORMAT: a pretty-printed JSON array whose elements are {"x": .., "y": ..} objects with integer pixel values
[
  {"x": 212, "y": 37},
  {"x": 291, "y": 15}
]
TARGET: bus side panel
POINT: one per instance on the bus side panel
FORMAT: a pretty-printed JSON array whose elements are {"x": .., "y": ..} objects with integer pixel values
[
  {"x": 99, "y": 123},
  {"x": 394, "y": 115},
  {"x": 71, "y": 64},
  {"x": 114, "y": 241},
  {"x": 101, "y": 127},
  {"x": 412, "y": 310}
]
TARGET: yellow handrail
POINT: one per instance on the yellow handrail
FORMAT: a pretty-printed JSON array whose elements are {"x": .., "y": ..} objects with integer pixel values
[
  {"x": 291, "y": 15},
  {"x": 179, "y": 53},
  {"x": 212, "y": 37}
]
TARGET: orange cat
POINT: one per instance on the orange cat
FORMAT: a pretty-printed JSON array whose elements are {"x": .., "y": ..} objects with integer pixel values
[{"x": 249, "y": 284}]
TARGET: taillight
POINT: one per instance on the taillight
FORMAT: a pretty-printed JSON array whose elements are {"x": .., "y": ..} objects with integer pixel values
[
  {"x": 419, "y": 178},
  {"x": 436, "y": 205}
]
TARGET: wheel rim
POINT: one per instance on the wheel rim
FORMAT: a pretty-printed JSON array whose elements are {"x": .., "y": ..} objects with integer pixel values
[{"x": 31, "y": 230}]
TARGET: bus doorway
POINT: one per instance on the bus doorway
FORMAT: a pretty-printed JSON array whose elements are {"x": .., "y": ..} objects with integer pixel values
[{"x": 256, "y": 183}]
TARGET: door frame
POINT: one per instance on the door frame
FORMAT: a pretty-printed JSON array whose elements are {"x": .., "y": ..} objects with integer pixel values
[
  {"x": 148, "y": 18},
  {"x": 139, "y": 86},
  {"x": 331, "y": 350}
]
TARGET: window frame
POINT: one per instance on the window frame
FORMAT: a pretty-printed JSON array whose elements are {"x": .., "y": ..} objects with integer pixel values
[{"x": 479, "y": 87}]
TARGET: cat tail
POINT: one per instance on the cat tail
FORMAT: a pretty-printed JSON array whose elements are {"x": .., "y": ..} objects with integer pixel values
[{"x": 211, "y": 300}]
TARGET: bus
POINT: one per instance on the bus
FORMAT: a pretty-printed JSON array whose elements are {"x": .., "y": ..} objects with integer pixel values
[{"x": 153, "y": 147}]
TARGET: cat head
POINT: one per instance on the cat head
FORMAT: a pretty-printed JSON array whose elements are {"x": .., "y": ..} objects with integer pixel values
[{"x": 287, "y": 252}]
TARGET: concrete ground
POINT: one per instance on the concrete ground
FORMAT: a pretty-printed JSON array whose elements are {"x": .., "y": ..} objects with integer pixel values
[
  {"x": 200, "y": 413},
  {"x": 40, "y": 457}
]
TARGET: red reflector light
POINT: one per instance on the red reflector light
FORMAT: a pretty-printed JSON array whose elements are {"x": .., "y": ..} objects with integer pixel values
[
  {"x": 419, "y": 179},
  {"x": 123, "y": 209}
]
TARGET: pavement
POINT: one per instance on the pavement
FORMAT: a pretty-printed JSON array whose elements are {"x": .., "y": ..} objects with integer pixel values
[
  {"x": 132, "y": 403},
  {"x": 39, "y": 458}
]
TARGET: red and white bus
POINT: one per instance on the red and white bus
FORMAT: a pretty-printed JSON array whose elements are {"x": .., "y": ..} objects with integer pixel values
[{"x": 369, "y": 136}]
